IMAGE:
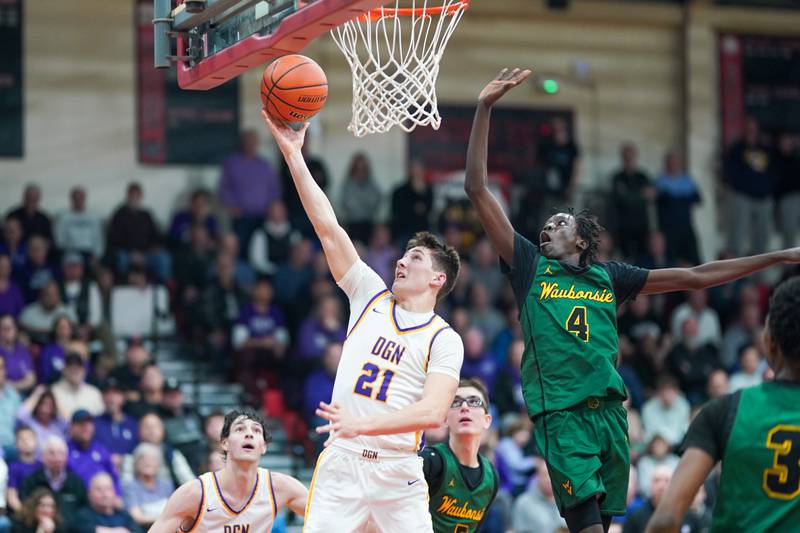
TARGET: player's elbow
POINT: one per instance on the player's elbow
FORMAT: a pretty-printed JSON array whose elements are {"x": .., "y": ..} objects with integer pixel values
[{"x": 473, "y": 189}]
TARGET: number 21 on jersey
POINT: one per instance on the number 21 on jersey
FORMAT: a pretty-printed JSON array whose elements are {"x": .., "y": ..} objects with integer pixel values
[
  {"x": 577, "y": 323},
  {"x": 365, "y": 382}
]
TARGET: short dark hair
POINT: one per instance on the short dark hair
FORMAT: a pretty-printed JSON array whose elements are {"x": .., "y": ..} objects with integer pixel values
[
  {"x": 444, "y": 257},
  {"x": 589, "y": 229},
  {"x": 476, "y": 383},
  {"x": 248, "y": 413},
  {"x": 782, "y": 321}
]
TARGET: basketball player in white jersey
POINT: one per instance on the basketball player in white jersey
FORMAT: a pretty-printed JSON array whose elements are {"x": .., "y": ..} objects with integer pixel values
[
  {"x": 240, "y": 498},
  {"x": 398, "y": 374}
]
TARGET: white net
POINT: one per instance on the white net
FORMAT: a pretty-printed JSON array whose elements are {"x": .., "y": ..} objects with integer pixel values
[{"x": 394, "y": 55}]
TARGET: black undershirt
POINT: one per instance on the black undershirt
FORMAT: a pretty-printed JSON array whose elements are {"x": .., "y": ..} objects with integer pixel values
[{"x": 433, "y": 467}]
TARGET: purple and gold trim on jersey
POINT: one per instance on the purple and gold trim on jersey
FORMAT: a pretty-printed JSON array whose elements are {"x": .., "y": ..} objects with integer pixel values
[
  {"x": 200, "y": 509},
  {"x": 228, "y": 509},
  {"x": 430, "y": 345},
  {"x": 404, "y": 331},
  {"x": 369, "y": 305},
  {"x": 311, "y": 487},
  {"x": 272, "y": 495}
]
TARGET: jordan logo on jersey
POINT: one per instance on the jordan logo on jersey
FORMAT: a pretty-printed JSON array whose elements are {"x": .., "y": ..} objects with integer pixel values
[
  {"x": 237, "y": 528},
  {"x": 548, "y": 271}
]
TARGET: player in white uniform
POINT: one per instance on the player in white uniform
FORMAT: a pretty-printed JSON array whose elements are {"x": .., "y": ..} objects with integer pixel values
[
  {"x": 240, "y": 498},
  {"x": 398, "y": 374}
]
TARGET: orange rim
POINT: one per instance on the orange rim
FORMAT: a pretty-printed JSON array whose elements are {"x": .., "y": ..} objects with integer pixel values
[{"x": 375, "y": 14}]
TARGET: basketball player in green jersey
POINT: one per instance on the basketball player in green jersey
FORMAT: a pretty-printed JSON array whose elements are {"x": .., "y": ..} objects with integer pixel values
[
  {"x": 568, "y": 306},
  {"x": 755, "y": 432},
  {"x": 462, "y": 483}
]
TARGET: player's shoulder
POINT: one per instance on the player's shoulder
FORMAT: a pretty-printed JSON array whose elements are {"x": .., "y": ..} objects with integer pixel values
[
  {"x": 189, "y": 495},
  {"x": 443, "y": 333}
]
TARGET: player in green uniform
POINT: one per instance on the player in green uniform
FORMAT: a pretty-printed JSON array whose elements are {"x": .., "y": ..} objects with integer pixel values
[
  {"x": 568, "y": 304},
  {"x": 462, "y": 483},
  {"x": 755, "y": 432}
]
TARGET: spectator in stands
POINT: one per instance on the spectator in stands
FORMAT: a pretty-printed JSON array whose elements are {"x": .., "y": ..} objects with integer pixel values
[
  {"x": 40, "y": 412},
  {"x": 360, "y": 198},
  {"x": 677, "y": 194},
  {"x": 508, "y": 390},
  {"x": 667, "y": 413},
  {"x": 485, "y": 269},
  {"x": 50, "y": 363},
  {"x": 751, "y": 370},
  {"x": 11, "y": 300},
  {"x": 292, "y": 281},
  {"x": 140, "y": 308},
  {"x": 220, "y": 304},
  {"x": 740, "y": 334},
  {"x": 33, "y": 220},
  {"x": 381, "y": 255},
  {"x": 513, "y": 465},
  {"x": 56, "y": 476},
  {"x": 635, "y": 429},
  {"x": 10, "y": 401},
  {"x": 23, "y": 466},
  {"x": 658, "y": 454},
  {"x": 212, "y": 429},
  {"x": 696, "y": 306},
  {"x": 72, "y": 392},
  {"x": 319, "y": 385},
  {"x": 637, "y": 521},
  {"x": 14, "y": 246},
  {"x": 788, "y": 187},
  {"x": 81, "y": 295},
  {"x": 198, "y": 214},
  {"x": 38, "y": 271},
  {"x": 175, "y": 469},
  {"x": 272, "y": 240},
  {"x": 248, "y": 184},
  {"x": 631, "y": 195},
  {"x": 750, "y": 168},
  {"x": 150, "y": 393},
  {"x": 560, "y": 158},
  {"x": 182, "y": 424},
  {"x": 483, "y": 315},
  {"x": 146, "y": 495},
  {"x": 114, "y": 429},
  {"x": 18, "y": 363},
  {"x": 87, "y": 456},
  {"x": 325, "y": 326},
  {"x": 193, "y": 263},
  {"x": 692, "y": 361},
  {"x": 103, "y": 513},
  {"x": 535, "y": 510},
  {"x": 478, "y": 363},
  {"x": 129, "y": 374},
  {"x": 37, "y": 318},
  {"x": 133, "y": 237},
  {"x": 244, "y": 273},
  {"x": 718, "y": 385},
  {"x": 412, "y": 204},
  {"x": 39, "y": 514},
  {"x": 79, "y": 231},
  {"x": 657, "y": 254}
]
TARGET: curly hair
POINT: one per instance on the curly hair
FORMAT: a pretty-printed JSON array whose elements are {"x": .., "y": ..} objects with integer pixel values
[
  {"x": 248, "y": 413},
  {"x": 589, "y": 229},
  {"x": 444, "y": 257},
  {"x": 782, "y": 321}
]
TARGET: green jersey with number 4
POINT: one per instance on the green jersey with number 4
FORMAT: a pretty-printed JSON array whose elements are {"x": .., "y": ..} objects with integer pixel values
[
  {"x": 569, "y": 320},
  {"x": 760, "y": 483}
]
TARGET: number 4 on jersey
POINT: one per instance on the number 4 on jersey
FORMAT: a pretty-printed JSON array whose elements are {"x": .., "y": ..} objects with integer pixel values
[{"x": 577, "y": 323}]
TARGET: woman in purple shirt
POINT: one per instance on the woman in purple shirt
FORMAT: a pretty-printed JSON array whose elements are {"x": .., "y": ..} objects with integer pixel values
[
  {"x": 51, "y": 359},
  {"x": 40, "y": 412},
  {"x": 19, "y": 365},
  {"x": 11, "y": 300}
]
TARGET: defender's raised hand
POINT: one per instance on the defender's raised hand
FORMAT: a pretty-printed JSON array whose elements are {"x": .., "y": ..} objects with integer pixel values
[
  {"x": 503, "y": 82},
  {"x": 289, "y": 140}
]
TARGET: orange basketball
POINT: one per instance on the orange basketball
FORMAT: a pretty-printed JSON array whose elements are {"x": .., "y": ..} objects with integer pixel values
[{"x": 293, "y": 88}]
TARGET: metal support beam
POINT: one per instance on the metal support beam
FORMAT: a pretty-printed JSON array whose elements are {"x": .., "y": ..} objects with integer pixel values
[{"x": 162, "y": 24}]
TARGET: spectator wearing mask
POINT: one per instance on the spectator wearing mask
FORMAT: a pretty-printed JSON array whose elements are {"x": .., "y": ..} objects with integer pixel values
[
  {"x": 23, "y": 466},
  {"x": 10, "y": 402},
  {"x": 103, "y": 514},
  {"x": 667, "y": 413},
  {"x": 79, "y": 231},
  {"x": 40, "y": 412},
  {"x": 87, "y": 456},
  {"x": 360, "y": 199},
  {"x": 248, "y": 184},
  {"x": 37, "y": 318},
  {"x": 56, "y": 476},
  {"x": 535, "y": 510},
  {"x": 198, "y": 213},
  {"x": 17, "y": 360},
  {"x": 12, "y": 301},
  {"x": 751, "y": 370},
  {"x": 114, "y": 429},
  {"x": 39, "y": 514},
  {"x": 677, "y": 194},
  {"x": 272, "y": 240},
  {"x": 175, "y": 468},
  {"x": 34, "y": 221},
  {"x": 72, "y": 392},
  {"x": 412, "y": 203},
  {"x": 133, "y": 237},
  {"x": 146, "y": 495}
]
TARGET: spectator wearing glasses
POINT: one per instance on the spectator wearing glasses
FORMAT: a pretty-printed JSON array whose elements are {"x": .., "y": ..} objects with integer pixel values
[{"x": 458, "y": 476}]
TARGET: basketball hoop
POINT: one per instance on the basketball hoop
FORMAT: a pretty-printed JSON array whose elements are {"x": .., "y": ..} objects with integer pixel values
[{"x": 394, "y": 54}]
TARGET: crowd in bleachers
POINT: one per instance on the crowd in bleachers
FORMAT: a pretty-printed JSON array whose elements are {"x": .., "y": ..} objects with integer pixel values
[{"x": 94, "y": 435}]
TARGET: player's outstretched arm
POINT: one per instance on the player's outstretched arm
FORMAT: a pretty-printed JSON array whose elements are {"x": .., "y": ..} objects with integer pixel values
[
  {"x": 290, "y": 493},
  {"x": 491, "y": 214},
  {"x": 715, "y": 272},
  {"x": 181, "y": 509},
  {"x": 339, "y": 249},
  {"x": 428, "y": 413},
  {"x": 692, "y": 471}
]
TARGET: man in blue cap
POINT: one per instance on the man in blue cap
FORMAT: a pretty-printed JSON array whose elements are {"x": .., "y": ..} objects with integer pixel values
[
  {"x": 87, "y": 457},
  {"x": 114, "y": 429}
]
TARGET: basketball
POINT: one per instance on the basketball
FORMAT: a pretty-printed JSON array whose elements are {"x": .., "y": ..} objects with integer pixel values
[{"x": 293, "y": 88}]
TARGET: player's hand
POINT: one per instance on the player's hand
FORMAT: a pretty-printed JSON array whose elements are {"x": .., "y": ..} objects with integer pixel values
[
  {"x": 340, "y": 423},
  {"x": 289, "y": 140},
  {"x": 504, "y": 82}
]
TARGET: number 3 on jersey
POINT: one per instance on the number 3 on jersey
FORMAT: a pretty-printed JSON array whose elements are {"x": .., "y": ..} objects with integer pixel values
[
  {"x": 782, "y": 481},
  {"x": 577, "y": 323},
  {"x": 370, "y": 373}
]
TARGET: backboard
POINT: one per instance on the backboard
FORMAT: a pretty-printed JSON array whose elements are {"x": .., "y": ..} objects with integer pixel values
[{"x": 217, "y": 40}]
